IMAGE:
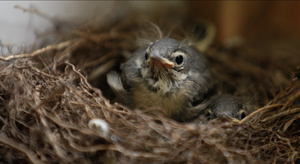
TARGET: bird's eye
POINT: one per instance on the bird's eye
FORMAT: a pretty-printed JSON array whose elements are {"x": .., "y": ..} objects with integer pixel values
[
  {"x": 146, "y": 56},
  {"x": 209, "y": 114},
  {"x": 242, "y": 114},
  {"x": 179, "y": 59}
]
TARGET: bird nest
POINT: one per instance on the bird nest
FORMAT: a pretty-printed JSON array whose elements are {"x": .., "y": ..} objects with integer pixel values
[{"x": 48, "y": 98}]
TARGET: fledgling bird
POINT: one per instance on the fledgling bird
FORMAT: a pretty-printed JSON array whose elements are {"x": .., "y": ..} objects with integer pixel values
[
  {"x": 167, "y": 74},
  {"x": 225, "y": 105}
]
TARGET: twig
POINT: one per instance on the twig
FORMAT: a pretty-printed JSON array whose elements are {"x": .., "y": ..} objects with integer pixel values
[
  {"x": 102, "y": 69},
  {"x": 35, "y": 11},
  {"x": 21, "y": 147},
  {"x": 290, "y": 101},
  {"x": 104, "y": 58},
  {"x": 258, "y": 111},
  {"x": 285, "y": 113},
  {"x": 93, "y": 148},
  {"x": 39, "y": 51},
  {"x": 78, "y": 73}
]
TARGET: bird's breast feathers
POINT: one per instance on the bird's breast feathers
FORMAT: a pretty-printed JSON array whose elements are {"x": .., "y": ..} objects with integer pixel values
[{"x": 169, "y": 103}]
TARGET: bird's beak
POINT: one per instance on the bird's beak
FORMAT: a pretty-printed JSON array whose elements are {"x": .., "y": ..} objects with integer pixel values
[{"x": 161, "y": 61}]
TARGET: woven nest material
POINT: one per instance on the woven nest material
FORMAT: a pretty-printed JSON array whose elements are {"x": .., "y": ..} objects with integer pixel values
[{"x": 49, "y": 96}]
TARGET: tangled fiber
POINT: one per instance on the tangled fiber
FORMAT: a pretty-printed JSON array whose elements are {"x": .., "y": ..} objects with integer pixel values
[{"x": 49, "y": 96}]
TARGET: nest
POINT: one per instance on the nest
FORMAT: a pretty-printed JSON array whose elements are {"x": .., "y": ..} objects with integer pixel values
[{"x": 48, "y": 98}]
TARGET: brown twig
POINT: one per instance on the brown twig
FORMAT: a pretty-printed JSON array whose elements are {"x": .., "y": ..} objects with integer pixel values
[
  {"x": 35, "y": 11},
  {"x": 282, "y": 114},
  {"x": 258, "y": 111},
  {"x": 21, "y": 147},
  {"x": 39, "y": 51},
  {"x": 290, "y": 100}
]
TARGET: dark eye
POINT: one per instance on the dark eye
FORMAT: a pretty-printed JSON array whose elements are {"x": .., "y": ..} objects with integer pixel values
[
  {"x": 179, "y": 59},
  {"x": 242, "y": 114},
  {"x": 146, "y": 56},
  {"x": 209, "y": 114}
]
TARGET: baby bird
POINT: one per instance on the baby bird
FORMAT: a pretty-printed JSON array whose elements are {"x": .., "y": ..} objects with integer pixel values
[
  {"x": 168, "y": 75},
  {"x": 225, "y": 105}
]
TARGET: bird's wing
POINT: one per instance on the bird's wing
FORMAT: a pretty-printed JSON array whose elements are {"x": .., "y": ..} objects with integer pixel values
[
  {"x": 201, "y": 90},
  {"x": 115, "y": 83}
]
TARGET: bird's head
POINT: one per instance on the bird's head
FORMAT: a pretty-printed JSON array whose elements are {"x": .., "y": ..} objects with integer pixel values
[{"x": 170, "y": 60}]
